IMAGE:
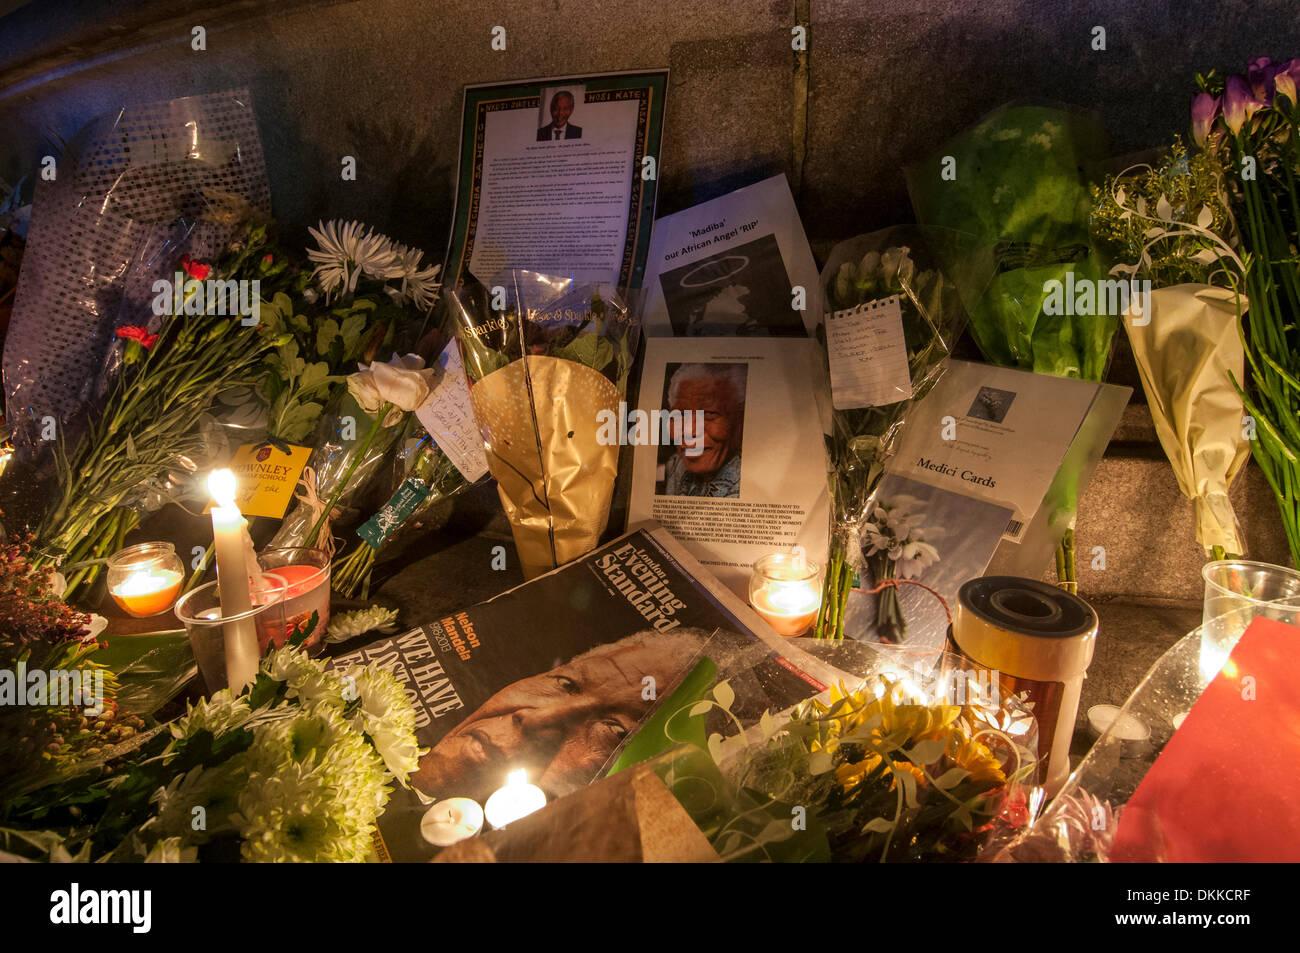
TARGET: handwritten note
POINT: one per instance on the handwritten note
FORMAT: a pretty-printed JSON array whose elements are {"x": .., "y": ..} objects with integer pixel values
[
  {"x": 448, "y": 417},
  {"x": 868, "y": 355}
]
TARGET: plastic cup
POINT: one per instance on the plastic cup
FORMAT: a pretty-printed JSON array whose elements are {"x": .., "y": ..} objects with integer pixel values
[
  {"x": 200, "y": 612},
  {"x": 1236, "y": 592}
]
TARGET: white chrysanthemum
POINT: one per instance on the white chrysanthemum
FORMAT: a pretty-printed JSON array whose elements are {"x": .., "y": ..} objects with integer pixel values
[
  {"x": 218, "y": 714},
  {"x": 290, "y": 816},
  {"x": 215, "y": 790},
  {"x": 307, "y": 679},
  {"x": 388, "y": 719},
  {"x": 419, "y": 285},
  {"x": 348, "y": 625},
  {"x": 348, "y": 250},
  {"x": 318, "y": 759},
  {"x": 170, "y": 850}
]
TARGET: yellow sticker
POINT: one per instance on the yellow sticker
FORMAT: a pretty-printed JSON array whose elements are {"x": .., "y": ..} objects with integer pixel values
[{"x": 266, "y": 477}]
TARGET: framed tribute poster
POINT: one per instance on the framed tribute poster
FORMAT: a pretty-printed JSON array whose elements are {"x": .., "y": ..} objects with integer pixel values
[{"x": 558, "y": 176}]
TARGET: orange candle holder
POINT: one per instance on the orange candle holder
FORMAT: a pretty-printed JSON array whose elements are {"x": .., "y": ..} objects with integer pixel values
[{"x": 144, "y": 579}]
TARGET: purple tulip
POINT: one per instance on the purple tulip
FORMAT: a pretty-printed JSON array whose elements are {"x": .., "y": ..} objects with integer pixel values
[
  {"x": 1236, "y": 100},
  {"x": 1204, "y": 108}
]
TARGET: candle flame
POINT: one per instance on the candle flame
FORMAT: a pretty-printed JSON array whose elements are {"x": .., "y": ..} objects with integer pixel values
[
  {"x": 517, "y": 777},
  {"x": 221, "y": 487}
]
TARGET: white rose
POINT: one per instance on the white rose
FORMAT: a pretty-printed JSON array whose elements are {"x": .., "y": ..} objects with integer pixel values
[{"x": 403, "y": 382}]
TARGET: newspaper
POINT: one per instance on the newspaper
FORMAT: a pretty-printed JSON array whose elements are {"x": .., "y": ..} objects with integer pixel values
[{"x": 556, "y": 675}]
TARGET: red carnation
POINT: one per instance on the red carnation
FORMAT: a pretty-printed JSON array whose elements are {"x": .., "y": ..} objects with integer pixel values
[
  {"x": 195, "y": 269},
  {"x": 134, "y": 333}
]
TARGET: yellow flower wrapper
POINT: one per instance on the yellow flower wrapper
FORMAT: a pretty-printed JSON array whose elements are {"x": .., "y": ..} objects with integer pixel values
[
  {"x": 546, "y": 358},
  {"x": 555, "y": 479},
  {"x": 1187, "y": 355}
]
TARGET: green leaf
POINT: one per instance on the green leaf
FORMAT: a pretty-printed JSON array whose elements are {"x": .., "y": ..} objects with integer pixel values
[
  {"x": 926, "y": 752},
  {"x": 724, "y": 695},
  {"x": 700, "y": 708},
  {"x": 313, "y": 375},
  {"x": 326, "y": 332},
  {"x": 951, "y": 778},
  {"x": 589, "y": 349},
  {"x": 353, "y": 331},
  {"x": 909, "y": 787},
  {"x": 819, "y": 762}
]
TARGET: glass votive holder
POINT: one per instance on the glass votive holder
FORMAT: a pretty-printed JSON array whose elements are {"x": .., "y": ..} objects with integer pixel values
[
  {"x": 306, "y": 573},
  {"x": 144, "y": 579},
  {"x": 200, "y": 612},
  {"x": 786, "y": 590}
]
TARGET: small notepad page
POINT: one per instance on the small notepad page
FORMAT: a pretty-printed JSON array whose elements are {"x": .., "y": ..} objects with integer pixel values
[{"x": 868, "y": 355}]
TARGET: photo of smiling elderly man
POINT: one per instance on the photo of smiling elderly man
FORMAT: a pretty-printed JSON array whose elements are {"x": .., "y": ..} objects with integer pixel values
[
  {"x": 708, "y": 463},
  {"x": 563, "y": 724}
]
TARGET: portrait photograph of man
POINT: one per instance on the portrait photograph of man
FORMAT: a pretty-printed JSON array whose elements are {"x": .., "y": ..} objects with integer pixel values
[
  {"x": 707, "y": 462},
  {"x": 559, "y": 105}
]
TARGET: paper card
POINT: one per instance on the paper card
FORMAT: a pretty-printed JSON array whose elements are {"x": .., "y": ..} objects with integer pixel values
[
  {"x": 997, "y": 434},
  {"x": 756, "y": 481},
  {"x": 266, "y": 477},
  {"x": 737, "y": 265},
  {"x": 448, "y": 417},
  {"x": 868, "y": 355}
]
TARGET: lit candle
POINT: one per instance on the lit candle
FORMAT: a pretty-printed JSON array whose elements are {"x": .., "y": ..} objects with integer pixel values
[
  {"x": 147, "y": 591},
  {"x": 785, "y": 589},
  {"x": 517, "y": 799},
  {"x": 452, "y": 821},
  {"x": 788, "y": 607},
  {"x": 233, "y": 549}
]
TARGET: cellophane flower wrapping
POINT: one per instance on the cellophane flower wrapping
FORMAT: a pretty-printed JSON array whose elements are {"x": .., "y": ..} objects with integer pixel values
[
  {"x": 341, "y": 439},
  {"x": 134, "y": 188},
  {"x": 892, "y": 262},
  {"x": 893, "y": 766},
  {"x": 545, "y": 358}
]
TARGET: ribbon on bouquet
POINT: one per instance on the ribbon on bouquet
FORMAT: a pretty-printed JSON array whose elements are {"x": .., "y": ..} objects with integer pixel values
[{"x": 306, "y": 494}]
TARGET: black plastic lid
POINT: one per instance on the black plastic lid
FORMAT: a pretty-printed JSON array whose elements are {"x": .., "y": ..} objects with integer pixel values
[{"x": 1027, "y": 606}]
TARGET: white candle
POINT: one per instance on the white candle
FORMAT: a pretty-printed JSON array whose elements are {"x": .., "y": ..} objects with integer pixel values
[
  {"x": 230, "y": 544},
  {"x": 452, "y": 821},
  {"x": 517, "y": 799}
]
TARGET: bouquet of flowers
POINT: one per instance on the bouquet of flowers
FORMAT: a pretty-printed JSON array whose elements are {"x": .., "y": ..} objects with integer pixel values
[
  {"x": 867, "y": 269},
  {"x": 354, "y": 443},
  {"x": 361, "y": 299},
  {"x": 148, "y": 424},
  {"x": 296, "y": 769},
  {"x": 1251, "y": 123},
  {"x": 1007, "y": 202},
  {"x": 546, "y": 359},
  {"x": 895, "y": 546},
  {"x": 1169, "y": 225},
  {"x": 880, "y": 772},
  {"x": 365, "y": 294}
]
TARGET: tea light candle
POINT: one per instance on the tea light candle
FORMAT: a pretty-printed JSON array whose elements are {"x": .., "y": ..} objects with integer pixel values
[
  {"x": 233, "y": 549},
  {"x": 147, "y": 591},
  {"x": 452, "y": 821},
  {"x": 517, "y": 799},
  {"x": 786, "y": 591},
  {"x": 788, "y": 607}
]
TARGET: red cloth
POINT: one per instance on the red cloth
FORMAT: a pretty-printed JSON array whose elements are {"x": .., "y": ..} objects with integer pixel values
[{"x": 1226, "y": 788}]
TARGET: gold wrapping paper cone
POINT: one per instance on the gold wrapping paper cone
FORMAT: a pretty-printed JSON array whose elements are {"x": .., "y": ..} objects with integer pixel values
[{"x": 538, "y": 420}]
